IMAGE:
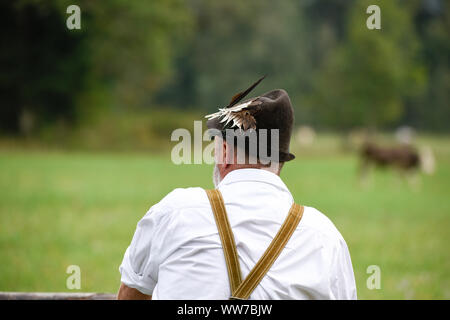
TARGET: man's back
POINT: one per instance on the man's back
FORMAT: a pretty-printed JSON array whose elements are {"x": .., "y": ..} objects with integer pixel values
[{"x": 176, "y": 252}]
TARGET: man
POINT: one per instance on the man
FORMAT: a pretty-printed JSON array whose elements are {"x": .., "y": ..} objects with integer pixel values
[{"x": 177, "y": 251}]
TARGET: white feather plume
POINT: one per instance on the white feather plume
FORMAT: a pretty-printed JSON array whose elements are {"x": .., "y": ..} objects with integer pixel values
[{"x": 230, "y": 114}]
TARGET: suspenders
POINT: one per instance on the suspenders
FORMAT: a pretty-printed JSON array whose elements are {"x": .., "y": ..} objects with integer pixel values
[{"x": 241, "y": 290}]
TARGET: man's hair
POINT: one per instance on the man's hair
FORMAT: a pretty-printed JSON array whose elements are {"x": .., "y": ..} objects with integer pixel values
[{"x": 245, "y": 153}]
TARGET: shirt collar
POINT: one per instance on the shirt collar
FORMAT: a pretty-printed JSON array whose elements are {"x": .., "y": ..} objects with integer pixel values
[{"x": 254, "y": 175}]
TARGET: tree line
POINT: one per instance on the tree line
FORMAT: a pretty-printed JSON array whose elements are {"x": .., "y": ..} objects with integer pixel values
[{"x": 195, "y": 54}]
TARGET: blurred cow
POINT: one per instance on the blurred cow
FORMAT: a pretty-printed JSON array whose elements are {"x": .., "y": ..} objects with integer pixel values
[{"x": 404, "y": 158}]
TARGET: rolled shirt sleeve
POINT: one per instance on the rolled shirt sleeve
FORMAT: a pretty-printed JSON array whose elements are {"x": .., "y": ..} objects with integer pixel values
[
  {"x": 139, "y": 268},
  {"x": 134, "y": 279}
]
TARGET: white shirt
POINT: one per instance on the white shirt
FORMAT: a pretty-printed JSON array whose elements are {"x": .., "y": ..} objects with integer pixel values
[{"x": 176, "y": 251}]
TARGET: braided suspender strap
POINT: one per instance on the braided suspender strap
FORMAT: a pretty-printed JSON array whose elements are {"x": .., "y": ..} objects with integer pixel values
[{"x": 242, "y": 290}]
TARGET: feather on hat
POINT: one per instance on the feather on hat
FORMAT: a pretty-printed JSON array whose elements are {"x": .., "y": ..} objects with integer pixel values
[{"x": 241, "y": 115}]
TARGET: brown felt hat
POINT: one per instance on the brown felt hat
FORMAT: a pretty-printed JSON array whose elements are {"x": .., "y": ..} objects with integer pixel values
[{"x": 272, "y": 110}]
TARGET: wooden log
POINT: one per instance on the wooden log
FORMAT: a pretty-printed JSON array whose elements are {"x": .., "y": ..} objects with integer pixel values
[{"x": 56, "y": 296}]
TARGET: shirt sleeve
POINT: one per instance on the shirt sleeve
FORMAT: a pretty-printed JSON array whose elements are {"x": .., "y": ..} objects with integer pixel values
[
  {"x": 139, "y": 268},
  {"x": 342, "y": 280}
]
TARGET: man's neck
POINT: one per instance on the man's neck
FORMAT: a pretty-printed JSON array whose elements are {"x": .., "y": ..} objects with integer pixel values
[{"x": 274, "y": 169}]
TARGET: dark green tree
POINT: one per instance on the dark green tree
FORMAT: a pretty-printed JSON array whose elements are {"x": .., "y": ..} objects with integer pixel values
[
  {"x": 235, "y": 43},
  {"x": 367, "y": 79},
  {"x": 121, "y": 55},
  {"x": 43, "y": 66}
]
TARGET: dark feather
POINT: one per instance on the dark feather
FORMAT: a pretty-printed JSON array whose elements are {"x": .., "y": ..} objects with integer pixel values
[{"x": 241, "y": 95}]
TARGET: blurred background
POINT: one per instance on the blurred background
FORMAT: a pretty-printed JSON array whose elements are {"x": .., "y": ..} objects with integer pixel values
[{"x": 86, "y": 117}]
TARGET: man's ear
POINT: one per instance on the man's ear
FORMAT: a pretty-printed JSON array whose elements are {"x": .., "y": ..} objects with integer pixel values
[
  {"x": 219, "y": 151},
  {"x": 228, "y": 154}
]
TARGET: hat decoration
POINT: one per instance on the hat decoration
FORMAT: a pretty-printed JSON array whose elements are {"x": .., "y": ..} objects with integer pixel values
[{"x": 241, "y": 115}]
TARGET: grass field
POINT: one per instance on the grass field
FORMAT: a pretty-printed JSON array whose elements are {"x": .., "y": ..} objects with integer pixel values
[{"x": 73, "y": 208}]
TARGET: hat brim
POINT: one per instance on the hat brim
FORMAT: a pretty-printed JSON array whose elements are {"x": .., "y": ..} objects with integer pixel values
[{"x": 284, "y": 157}]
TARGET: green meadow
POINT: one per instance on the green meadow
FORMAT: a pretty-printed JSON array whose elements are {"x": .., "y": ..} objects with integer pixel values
[{"x": 61, "y": 208}]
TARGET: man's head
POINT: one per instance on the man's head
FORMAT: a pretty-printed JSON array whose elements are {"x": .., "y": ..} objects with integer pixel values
[
  {"x": 252, "y": 134},
  {"x": 227, "y": 158}
]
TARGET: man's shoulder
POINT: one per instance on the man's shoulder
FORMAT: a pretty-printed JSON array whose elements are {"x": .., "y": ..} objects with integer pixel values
[
  {"x": 316, "y": 221},
  {"x": 174, "y": 204},
  {"x": 181, "y": 198}
]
